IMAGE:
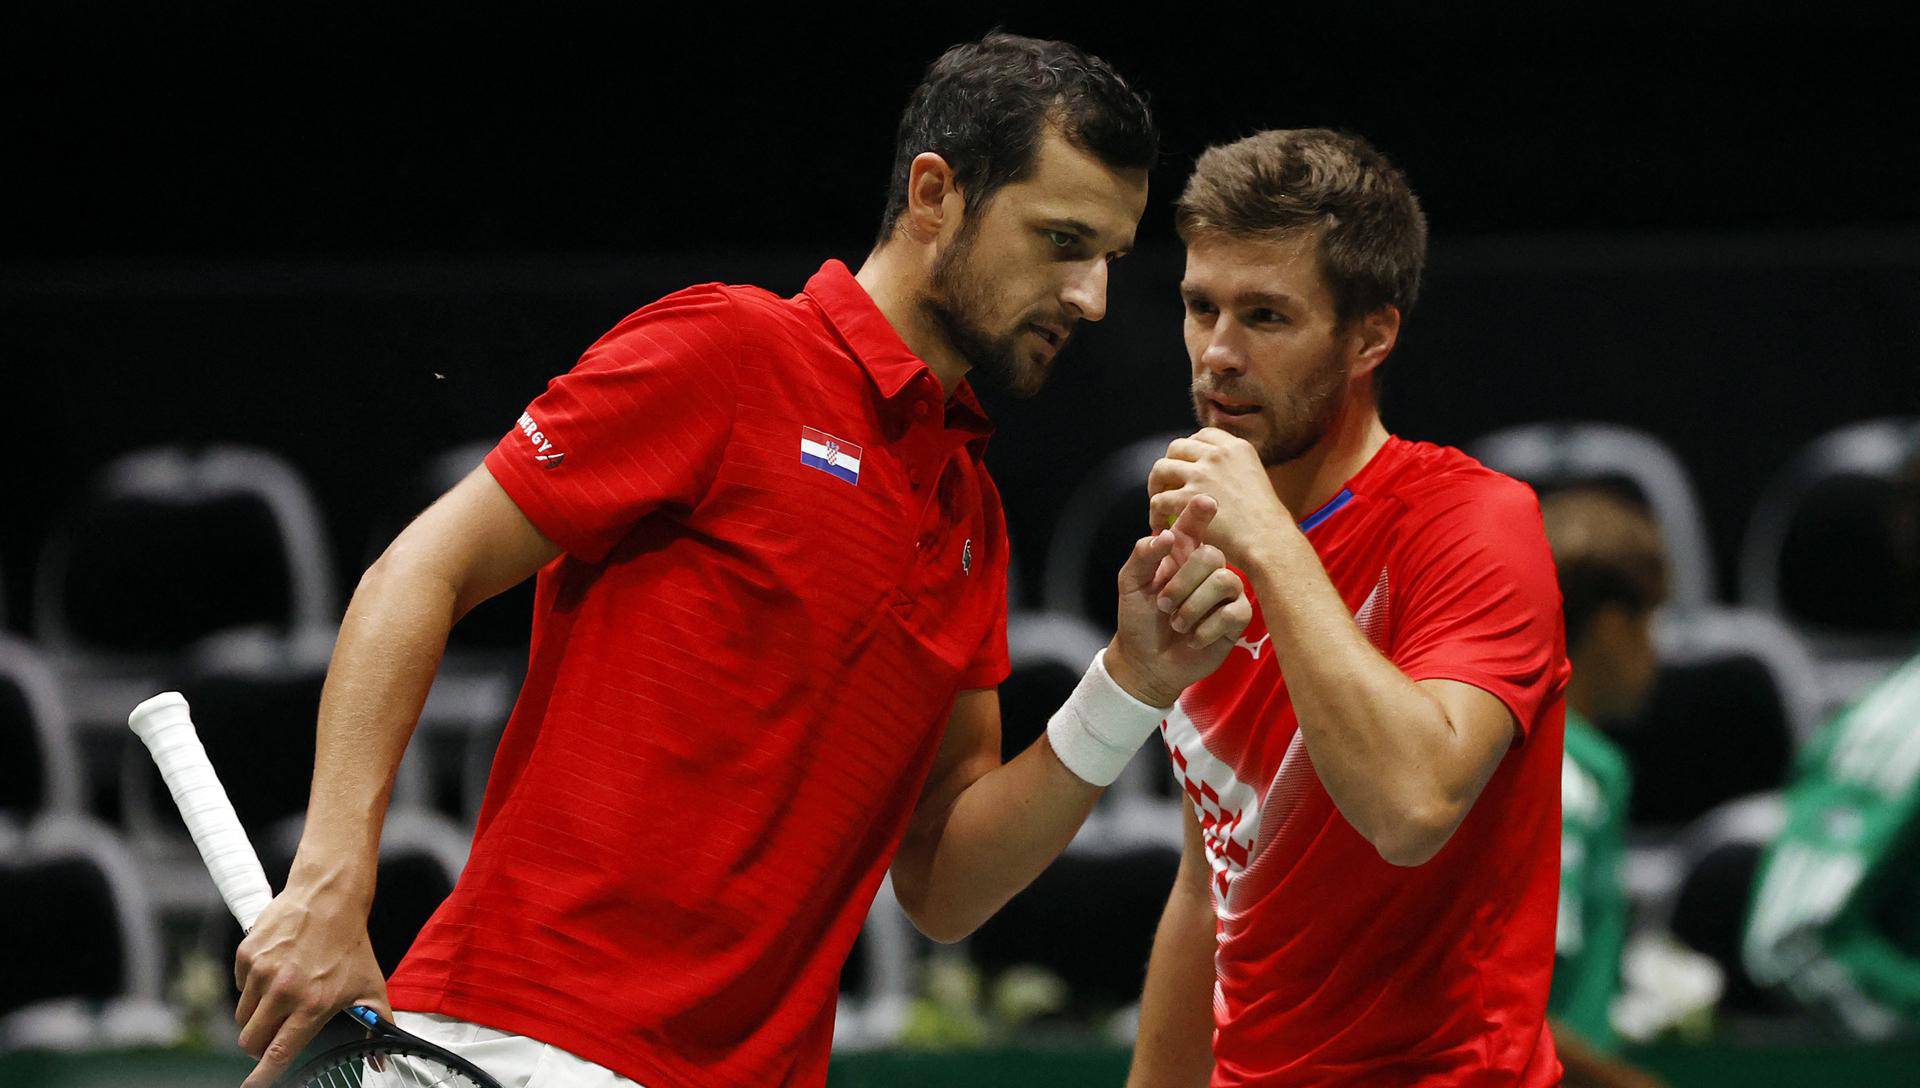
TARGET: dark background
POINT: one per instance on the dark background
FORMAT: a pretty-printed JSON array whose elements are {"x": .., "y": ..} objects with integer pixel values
[{"x": 357, "y": 236}]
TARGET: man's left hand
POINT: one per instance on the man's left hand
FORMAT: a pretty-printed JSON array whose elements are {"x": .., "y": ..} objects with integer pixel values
[{"x": 1226, "y": 467}]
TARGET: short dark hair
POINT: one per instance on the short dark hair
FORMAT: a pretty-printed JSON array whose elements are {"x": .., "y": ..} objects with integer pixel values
[
  {"x": 984, "y": 105},
  {"x": 1279, "y": 183},
  {"x": 1608, "y": 553}
]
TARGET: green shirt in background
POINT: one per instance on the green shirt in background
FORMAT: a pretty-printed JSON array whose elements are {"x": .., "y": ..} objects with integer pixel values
[
  {"x": 1836, "y": 905},
  {"x": 1594, "y": 788}
]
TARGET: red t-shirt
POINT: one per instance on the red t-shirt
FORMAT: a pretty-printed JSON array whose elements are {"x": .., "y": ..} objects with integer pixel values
[
  {"x": 1335, "y": 967},
  {"x": 783, "y": 560}
]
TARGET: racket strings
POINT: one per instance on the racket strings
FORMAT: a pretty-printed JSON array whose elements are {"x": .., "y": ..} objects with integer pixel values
[{"x": 383, "y": 1067}]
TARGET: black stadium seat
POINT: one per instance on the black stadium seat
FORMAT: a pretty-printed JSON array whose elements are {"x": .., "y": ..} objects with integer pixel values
[
  {"x": 148, "y": 575},
  {"x": 412, "y": 885},
  {"x": 1720, "y": 857},
  {"x": 78, "y": 924},
  {"x": 1712, "y": 730},
  {"x": 255, "y": 705},
  {"x": 1708, "y": 916},
  {"x": 1049, "y": 654},
  {"x": 38, "y": 769},
  {"x": 1824, "y": 549},
  {"x": 1096, "y": 529},
  {"x": 166, "y": 546},
  {"x": 877, "y": 982},
  {"x": 255, "y": 700},
  {"x": 1733, "y": 700},
  {"x": 59, "y": 937},
  {"x": 1551, "y": 456},
  {"x": 1088, "y": 918}
]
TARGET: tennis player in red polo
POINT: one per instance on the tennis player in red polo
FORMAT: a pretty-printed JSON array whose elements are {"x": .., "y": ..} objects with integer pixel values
[
  {"x": 1367, "y": 896},
  {"x": 770, "y": 619}
]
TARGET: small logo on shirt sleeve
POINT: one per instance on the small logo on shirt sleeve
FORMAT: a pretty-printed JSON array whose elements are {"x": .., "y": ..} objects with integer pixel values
[
  {"x": 543, "y": 450},
  {"x": 834, "y": 456}
]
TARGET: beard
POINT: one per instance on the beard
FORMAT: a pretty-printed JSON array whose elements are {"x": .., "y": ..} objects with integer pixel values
[
  {"x": 958, "y": 302},
  {"x": 1295, "y": 421}
]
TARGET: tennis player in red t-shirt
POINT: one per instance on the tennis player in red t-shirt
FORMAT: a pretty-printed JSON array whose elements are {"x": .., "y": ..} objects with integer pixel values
[
  {"x": 769, "y": 624},
  {"x": 1368, "y": 888}
]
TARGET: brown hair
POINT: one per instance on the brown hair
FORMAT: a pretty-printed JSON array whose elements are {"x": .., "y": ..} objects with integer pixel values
[
  {"x": 1274, "y": 184},
  {"x": 1608, "y": 552}
]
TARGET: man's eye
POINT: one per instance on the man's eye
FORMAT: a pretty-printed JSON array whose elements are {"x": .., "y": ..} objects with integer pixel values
[
  {"x": 1199, "y": 306},
  {"x": 1265, "y": 316},
  {"x": 1060, "y": 238}
]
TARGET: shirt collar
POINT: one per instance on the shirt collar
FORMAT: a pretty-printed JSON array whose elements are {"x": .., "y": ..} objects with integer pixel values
[{"x": 896, "y": 371}]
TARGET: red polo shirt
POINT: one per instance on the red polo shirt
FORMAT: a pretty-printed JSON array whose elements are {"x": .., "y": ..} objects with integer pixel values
[{"x": 784, "y": 558}]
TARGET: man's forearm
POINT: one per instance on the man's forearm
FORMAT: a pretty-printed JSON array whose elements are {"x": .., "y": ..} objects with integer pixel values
[
  {"x": 1175, "y": 1045},
  {"x": 1001, "y": 831},
  {"x": 1374, "y": 737},
  {"x": 384, "y": 660}
]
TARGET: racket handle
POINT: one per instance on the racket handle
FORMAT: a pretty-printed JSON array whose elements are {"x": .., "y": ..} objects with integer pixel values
[{"x": 166, "y": 727}]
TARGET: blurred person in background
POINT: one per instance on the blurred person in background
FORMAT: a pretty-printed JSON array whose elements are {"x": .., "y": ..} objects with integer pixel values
[
  {"x": 1372, "y": 826},
  {"x": 1612, "y": 568},
  {"x": 769, "y": 626},
  {"x": 1835, "y": 916}
]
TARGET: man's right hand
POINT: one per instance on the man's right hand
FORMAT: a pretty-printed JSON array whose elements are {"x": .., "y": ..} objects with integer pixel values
[{"x": 307, "y": 958}]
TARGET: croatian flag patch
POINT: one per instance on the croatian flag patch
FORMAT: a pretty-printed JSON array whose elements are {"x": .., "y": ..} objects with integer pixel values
[{"x": 820, "y": 450}]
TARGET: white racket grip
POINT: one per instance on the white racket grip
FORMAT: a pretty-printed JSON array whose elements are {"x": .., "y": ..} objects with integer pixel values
[{"x": 166, "y": 727}]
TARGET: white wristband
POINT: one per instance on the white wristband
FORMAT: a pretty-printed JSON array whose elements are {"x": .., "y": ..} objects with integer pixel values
[{"x": 1097, "y": 730}]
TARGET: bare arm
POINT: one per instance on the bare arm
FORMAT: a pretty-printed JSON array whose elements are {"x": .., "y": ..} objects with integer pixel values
[
  {"x": 982, "y": 830},
  {"x": 308, "y": 955},
  {"x": 1175, "y": 1045},
  {"x": 1403, "y": 760}
]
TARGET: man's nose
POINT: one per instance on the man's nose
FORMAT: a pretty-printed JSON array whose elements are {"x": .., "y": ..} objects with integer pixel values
[
  {"x": 1224, "y": 354},
  {"x": 1086, "y": 294}
]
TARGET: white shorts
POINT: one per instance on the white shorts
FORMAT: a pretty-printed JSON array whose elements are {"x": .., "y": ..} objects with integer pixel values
[{"x": 514, "y": 1060}]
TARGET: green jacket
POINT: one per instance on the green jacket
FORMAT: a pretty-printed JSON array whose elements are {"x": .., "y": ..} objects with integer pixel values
[
  {"x": 1594, "y": 787},
  {"x": 1836, "y": 907}
]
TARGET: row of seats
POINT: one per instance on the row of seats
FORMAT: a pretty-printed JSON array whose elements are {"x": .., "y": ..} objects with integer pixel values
[
  {"x": 169, "y": 545},
  {"x": 87, "y": 967},
  {"x": 1735, "y": 697},
  {"x": 1731, "y": 705},
  {"x": 1088, "y": 919},
  {"x": 86, "y": 962}
]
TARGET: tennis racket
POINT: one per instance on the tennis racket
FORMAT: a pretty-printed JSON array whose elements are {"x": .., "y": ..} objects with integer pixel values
[{"x": 387, "y": 1057}]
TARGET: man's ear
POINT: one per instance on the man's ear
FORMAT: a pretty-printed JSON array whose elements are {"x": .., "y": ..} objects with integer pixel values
[
  {"x": 932, "y": 197},
  {"x": 1373, "y": 336}
]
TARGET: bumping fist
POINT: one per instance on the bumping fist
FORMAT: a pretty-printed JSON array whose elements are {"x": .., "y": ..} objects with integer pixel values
[
  {"x": 1180, "y": 609},
  {"x": 1227, "y": 468}
]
